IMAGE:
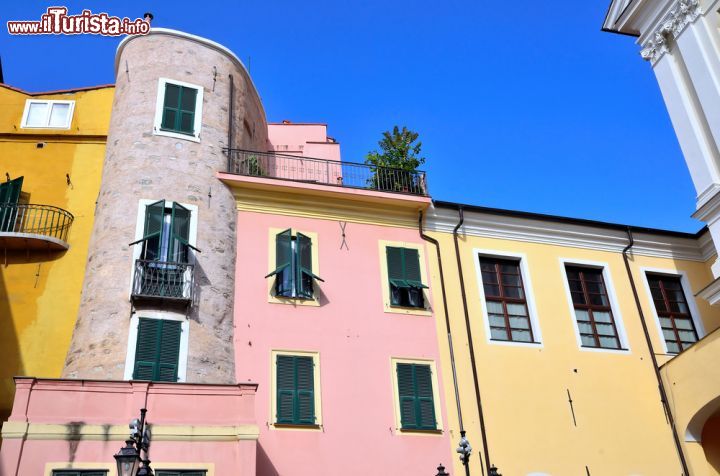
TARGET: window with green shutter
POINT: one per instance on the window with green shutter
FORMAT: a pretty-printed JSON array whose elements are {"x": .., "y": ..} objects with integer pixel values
[
  {"x": 293, "y": 272},
  {"x": 9, "y": 195},
  {"x": 417, "y": 407},
  {"x": 79, "y": 472},
  {"x": 167, "y": 232},
  {"x": 157, "y": 350},
  {"x": 295, "y": 390},
  {"x": 406, "y": 286},
  {"x": 178, "y": 113}
]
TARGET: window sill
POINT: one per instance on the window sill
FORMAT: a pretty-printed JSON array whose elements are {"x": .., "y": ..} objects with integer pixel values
[
  {"x": 413, "y": 311},
  {"x": 588, "y": 348},
  {"x": 410, "y": 431},
  {"x": 507, "y": 341},
  {"x": 293, "y": 301},
  {"x": 296, "y": 426},
  {"x": 177, "y": 135}
]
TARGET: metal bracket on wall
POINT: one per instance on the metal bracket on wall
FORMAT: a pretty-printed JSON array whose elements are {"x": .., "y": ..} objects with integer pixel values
[{"x": 343, "y": 224}]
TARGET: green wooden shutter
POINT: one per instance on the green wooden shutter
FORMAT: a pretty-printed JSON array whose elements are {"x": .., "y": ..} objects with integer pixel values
[
  {"x": 305, "y": 390},
  {"x": 283, "y": 264},
  {"x": 9, "y": 195},
  {"x": 413, "y": 274},
  {"x": 171, "y": 105},
  {"x": 154, "y": 218},
  {"x": 396, "y": 266},
  {"x": 285, "y": 386},
  {"x": 425, "y": 404},
  {"x": 180, "y": 234},
  {"x": 169, "y": 351},
  {"x": 406, "y": 393},
  {"x": 179, "y": 109},
  {"x": 186, "y": 115},
  {"x": 157, "y": 350},
  {"x": 10, "y": 191},
  {"x": 146, "y": 349},
  {"x": 305, "y": 275},
  {"x": 417, "y": 407}
]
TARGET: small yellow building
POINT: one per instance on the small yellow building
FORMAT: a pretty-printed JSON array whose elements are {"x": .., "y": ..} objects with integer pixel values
[
  {"x": 557, "y": 347},
  {"x": 52, "y": 147}
]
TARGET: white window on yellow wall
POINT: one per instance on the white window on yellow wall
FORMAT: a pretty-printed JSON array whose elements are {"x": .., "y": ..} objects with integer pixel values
[
  {"x": 47, "y": 114},
  {"x": 295, "y": 392},
  {"x": 403, "y": 278}
]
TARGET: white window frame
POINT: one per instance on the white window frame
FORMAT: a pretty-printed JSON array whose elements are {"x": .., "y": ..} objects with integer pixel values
[
  {"x": 439, "y": 429},
  {"x": 689, "y": 297},
  {"x": 614, "y": 305},
  {"x": 140, "y": 229},
  {"x": 317, "y": 388},
  {"x": 160, "y": 102},
  {"x": 50, "y": 103},
  {"x": 527, "y": 289},
  {"x": 133, "y": 334}
]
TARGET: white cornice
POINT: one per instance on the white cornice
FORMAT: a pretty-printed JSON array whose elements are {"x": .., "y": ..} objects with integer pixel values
[
  {"x": 655, "y": 40},
  {"x": 532, "y": 230}
]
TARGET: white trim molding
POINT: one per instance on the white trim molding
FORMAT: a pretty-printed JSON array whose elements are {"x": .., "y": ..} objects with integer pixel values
[
  {"x": 521, "y": 258},
  {"x": 576, "y": 235},
  {"x": 689, "y": 297},
  {"x": 614, "y": 305},
  {"x": 159, "y": 106},
  {"x": 132, "y": 341}
]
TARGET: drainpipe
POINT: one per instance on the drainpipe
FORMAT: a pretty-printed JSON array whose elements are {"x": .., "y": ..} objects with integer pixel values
[
  {"x": 656, "y": 368},
  {"x": 483, "y": 431},
  {"x": 231, "y": 122},
  {"x": 464, "y": 447}
]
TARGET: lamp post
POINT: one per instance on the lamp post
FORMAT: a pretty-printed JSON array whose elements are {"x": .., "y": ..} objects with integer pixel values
[
  {"x": 464, "y": 449},
  {"x": 493, "y": 471},
  {"x": 129, "y": 457}
]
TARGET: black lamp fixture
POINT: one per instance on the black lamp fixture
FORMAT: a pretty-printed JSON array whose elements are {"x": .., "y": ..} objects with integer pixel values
[
  {"x": 441, "y": 471},
  {"x": 493, "y": 471},
  {"x": 129, "y": 457}
]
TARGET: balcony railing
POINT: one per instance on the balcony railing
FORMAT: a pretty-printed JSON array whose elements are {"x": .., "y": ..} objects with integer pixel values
[
  {"x": 39, "y": 220},
  {"x": 163, "y": 280},
  {"x": 325, "y": 172}
]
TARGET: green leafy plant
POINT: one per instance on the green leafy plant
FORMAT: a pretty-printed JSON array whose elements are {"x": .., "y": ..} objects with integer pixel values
[{"x": 395, "y": 164}]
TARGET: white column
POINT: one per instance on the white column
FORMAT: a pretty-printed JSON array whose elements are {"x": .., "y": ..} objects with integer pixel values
[{"x": 688, "y": 119}]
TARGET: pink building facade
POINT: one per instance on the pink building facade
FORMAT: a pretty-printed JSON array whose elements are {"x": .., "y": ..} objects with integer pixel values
[{"x": 273, "y": 311}]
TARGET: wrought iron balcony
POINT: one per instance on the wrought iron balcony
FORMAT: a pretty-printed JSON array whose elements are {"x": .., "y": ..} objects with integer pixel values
[
  {"x": 30, "y": 226},
  {"x": 163, "y": 280},
  {"x": 325, "y": 172}
]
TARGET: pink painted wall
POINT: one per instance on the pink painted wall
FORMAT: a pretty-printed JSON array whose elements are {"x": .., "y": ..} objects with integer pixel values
[
  {"x": 307, "y": 140},
  {"x": 81, "y": 403},
  {"x": 355, "y": 339}
]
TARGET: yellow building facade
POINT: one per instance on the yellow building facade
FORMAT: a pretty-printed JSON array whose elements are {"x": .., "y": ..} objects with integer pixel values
[
  {"x": 556, "y": 405},
  {"x": 52, "y": 147}
]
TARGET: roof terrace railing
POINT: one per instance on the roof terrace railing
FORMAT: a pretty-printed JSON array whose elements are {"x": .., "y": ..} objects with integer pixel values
[{"x": 325, "y": 172}]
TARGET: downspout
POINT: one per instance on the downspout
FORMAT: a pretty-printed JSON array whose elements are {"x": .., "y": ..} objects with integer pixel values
[
  {"x": 473, "y": 364},
  {"x": 656, "y": 368},
  {"x": 449, "y": 333},
  {"x": 231, "y": 122}
]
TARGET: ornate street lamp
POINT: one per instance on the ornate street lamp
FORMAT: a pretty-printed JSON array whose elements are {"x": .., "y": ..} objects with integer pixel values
[
  {"x": 441, "y": 471},
  {"x": 464, "y": 449},
  {"x": 129, "y": 457}
]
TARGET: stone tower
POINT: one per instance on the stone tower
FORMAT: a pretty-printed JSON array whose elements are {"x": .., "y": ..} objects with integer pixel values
[{"x": 170, "y": 122}]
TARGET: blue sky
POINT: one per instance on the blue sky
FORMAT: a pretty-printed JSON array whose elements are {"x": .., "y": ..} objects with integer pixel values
[{"x": 518, "y": 105}]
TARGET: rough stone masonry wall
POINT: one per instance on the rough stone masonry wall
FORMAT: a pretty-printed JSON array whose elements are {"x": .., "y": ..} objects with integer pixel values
[{"x": 141, "y": 165}]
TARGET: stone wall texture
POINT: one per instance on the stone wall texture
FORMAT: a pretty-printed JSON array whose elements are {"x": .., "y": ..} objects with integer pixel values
[{"x": 142, "y": 165}]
